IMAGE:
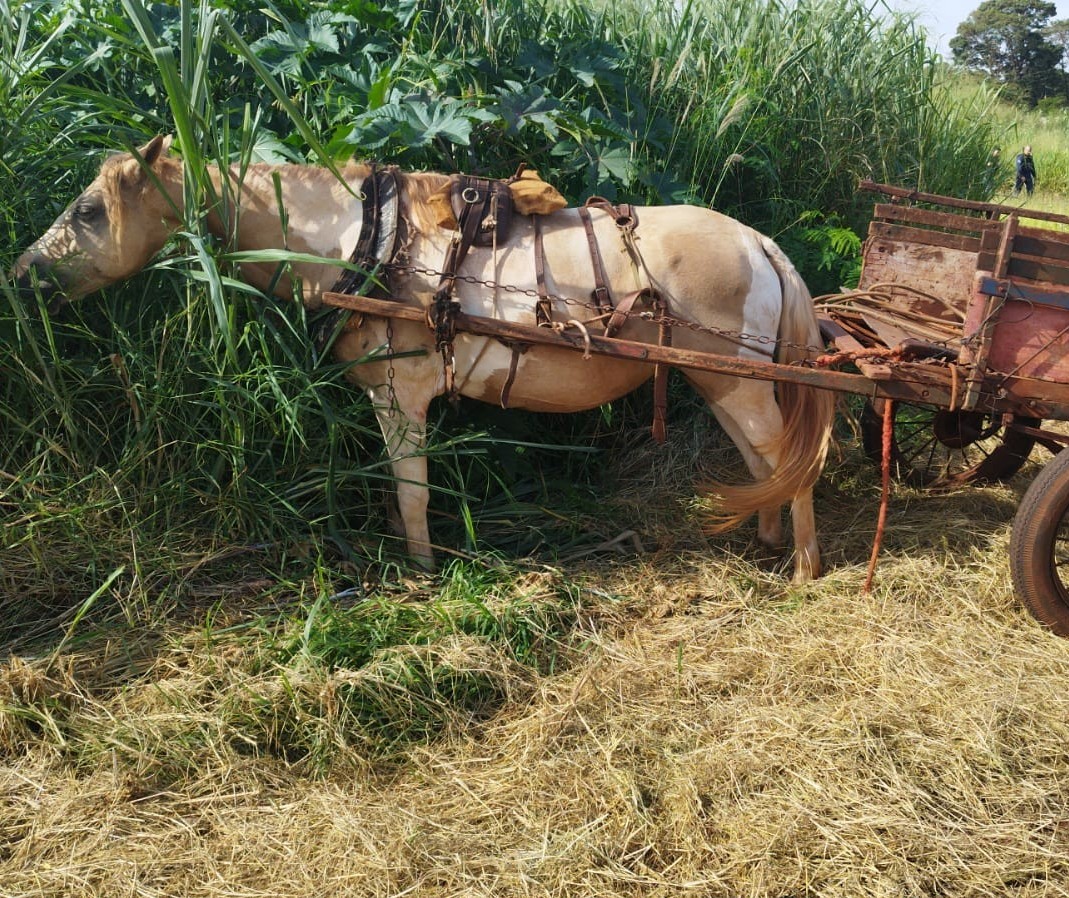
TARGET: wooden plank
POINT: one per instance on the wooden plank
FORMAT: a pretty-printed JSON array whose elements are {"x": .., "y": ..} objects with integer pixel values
[
  {"x": 831, "y": 330},
  {"x": 933, "y": 218},
  {"x": 874, "y": 370},
  {"x": 917, "y": 196},
  {"x": 980, "y": 321},
  {"x": 939, "y": 271},
  {"x": 985, "y": 259},
  {"x": 1036, "y": 269},
  {"x": 916, "y": 383},
  {"x": 1034, "y": 398},
  {"x": 1033, "y": 293},
  {"x": 1005, "y": 246},
  {"x": 991, "y": 210},
  {"x": 1040, "y": 255},
  {"x": 889, "y": 333},
  {"x": 1051, "y": 245},
  {"x": 923, "y": 237}
]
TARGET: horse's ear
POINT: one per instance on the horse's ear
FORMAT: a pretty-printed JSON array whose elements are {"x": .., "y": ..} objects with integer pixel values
[{"x": 156, "y": 147}]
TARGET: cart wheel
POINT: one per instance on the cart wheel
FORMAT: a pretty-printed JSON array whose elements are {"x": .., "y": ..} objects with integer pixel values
[
  {"x": 936, "y": 448},
  {"x": 1039, "y": 546}
]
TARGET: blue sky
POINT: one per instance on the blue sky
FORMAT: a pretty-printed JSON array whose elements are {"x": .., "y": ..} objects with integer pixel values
[{"x": 942, "y": 17}]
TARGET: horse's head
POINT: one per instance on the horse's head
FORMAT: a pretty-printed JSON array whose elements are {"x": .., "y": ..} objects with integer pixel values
[{"x": 110, "y": 231}]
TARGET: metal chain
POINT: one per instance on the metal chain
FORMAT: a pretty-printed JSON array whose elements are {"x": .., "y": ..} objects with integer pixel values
[
  {"x": 761, "y": 339},
  {"x": 739, "y": 336},
  {"x": 390, "y": 394}
]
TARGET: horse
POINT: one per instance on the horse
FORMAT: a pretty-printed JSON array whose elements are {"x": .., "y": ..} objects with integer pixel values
[{"x": 733, "y": 289}]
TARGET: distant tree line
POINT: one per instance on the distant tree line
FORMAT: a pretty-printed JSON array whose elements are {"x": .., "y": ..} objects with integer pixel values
[{"x": 1020, "y": 44}]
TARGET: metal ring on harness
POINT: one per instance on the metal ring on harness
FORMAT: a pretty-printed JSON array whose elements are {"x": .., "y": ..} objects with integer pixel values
[{"x": 470, "y": 195}]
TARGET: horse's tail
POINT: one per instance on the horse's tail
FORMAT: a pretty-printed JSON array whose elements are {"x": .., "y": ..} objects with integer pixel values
[{"x": 808, "y": 413}]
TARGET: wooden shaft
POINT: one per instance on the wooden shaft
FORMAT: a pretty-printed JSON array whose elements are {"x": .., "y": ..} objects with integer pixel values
[{"x": 929, "y": 387}]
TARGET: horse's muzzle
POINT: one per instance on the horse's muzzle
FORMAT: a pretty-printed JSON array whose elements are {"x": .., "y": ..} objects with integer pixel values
[{"x": 33, "y": 281}]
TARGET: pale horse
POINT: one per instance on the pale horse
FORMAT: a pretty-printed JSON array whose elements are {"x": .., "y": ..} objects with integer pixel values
[{"x": 710, "y": 270}]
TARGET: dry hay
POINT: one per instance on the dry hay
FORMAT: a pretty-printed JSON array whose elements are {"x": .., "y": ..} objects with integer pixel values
[{"x": 719, "y": 734}]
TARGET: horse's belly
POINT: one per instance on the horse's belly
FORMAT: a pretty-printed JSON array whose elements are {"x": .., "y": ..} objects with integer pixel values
[{"x": 546, "y": 379}]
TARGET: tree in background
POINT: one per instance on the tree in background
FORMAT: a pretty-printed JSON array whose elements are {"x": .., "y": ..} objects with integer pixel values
[
  {"x": 1007, "y": 39},
  {"x": 1058, "y": 34}
]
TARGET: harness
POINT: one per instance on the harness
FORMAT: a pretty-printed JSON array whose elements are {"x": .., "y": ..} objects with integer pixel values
[
  {"x": 626, "y": 220},
  {"x": 483, "y": 209}
]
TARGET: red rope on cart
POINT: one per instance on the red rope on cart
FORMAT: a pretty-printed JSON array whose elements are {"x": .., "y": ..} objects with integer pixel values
[
  {"x": 835, "y": 359},
  {"x": 885, "y": 489}
]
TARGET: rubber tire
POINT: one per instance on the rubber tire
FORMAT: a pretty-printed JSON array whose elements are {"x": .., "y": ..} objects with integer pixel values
[
  {"x": 1040, "y": 527},
  {"x": 1000, "y": 465}
]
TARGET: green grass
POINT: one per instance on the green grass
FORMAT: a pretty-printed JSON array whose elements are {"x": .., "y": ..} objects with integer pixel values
[{"x": 1014, "y": 127}]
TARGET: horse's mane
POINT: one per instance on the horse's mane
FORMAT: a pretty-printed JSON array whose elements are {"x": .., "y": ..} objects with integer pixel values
[
  {"x": 115, "y": 180},
  {"x": 416, "y": 190}
]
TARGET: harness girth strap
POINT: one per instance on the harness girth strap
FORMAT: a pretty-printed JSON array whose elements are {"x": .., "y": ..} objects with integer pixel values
[
  {"x": 518, "y": 349},
  {"x": 626, "y": 220},
  {"x": 659, "y": 428}
]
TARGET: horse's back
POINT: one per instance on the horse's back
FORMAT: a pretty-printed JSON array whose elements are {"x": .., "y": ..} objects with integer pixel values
[{"x": 686, "y": 253}]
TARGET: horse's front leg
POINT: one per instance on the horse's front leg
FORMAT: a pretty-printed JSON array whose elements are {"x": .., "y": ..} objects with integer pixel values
[
  {"x": 401, "y": 391},
  {"x": 404, "y": 428}
]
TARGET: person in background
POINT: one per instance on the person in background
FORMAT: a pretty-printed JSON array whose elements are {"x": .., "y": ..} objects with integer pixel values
[{"x": 1026, "y": 172}]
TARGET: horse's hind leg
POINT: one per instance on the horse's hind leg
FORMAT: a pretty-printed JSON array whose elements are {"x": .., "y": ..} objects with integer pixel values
[
  {"x": 804, "y": 524},
  {"x": 715, "y": 391},
  {"x": 749, "y": 414}
]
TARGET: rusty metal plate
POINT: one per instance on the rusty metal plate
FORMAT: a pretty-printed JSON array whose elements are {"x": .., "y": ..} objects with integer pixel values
[{"x": 1031, "y": 340}]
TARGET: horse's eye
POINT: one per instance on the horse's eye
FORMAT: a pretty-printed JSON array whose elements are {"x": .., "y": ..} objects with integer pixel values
[{"x": 86, "y": 211}]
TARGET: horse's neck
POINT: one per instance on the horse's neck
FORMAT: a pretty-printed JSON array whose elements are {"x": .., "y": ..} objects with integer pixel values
[{"x": 319, "y": 216}]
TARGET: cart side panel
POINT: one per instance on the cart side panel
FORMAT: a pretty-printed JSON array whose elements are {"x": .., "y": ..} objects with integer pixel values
[
  {"x": 1031, "y": 340},
  {"x": 942, "y": 271}
]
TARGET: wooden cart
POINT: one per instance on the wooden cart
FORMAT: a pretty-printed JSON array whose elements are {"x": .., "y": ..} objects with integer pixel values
[
  {"x": 961, "y": 317},
  {"x": 979, "y": 292}
]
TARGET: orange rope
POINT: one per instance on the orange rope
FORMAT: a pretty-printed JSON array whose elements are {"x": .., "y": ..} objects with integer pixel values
[
  {"x": 834, "y": 359},
  {"x": 885, "y": 490}
]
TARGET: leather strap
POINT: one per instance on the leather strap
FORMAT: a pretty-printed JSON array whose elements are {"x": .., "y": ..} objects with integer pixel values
[
  {"x": 442, "y": 312},
  {"x": 623, "y": 215},
  {"x": 518, "y": 349},
  {"x": 543, "y": 305},
  {"x": 365, "y": 254},
  {"x": 600, "y": 294},
  {"x": 659, "y": 428},
  {"x": 622, "y": 312},
  {"x": 375, "y": 247}
]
